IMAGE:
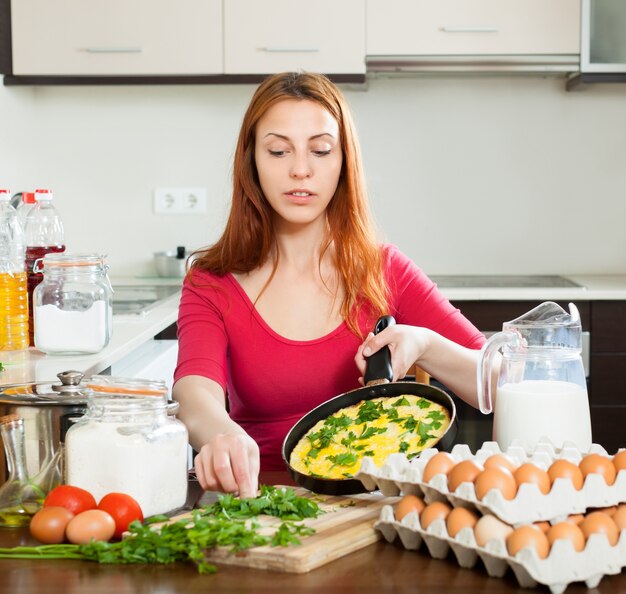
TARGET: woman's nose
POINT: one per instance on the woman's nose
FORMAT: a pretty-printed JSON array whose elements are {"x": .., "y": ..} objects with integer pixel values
[{"x": 300, "y": 167}]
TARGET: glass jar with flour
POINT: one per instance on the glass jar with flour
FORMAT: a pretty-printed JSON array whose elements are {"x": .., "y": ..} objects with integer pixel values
[
  {"x": 73, "y": 304},
  {"x": 129, "y": 441}
]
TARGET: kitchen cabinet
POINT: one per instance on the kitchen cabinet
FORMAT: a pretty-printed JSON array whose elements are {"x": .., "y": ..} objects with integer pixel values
[
  {"x": 265, "y": 36},
  {"x": 459, "y": 29},
  {"x": 116, "y": 37}
]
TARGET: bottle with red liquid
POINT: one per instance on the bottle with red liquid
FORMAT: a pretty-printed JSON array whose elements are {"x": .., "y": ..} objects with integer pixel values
[{"x": 44, "y": 235}]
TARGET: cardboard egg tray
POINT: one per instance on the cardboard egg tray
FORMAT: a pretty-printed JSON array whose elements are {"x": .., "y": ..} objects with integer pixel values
[
  {"x": 560, "y": 568},
  {"x": 399, "y": 475}
]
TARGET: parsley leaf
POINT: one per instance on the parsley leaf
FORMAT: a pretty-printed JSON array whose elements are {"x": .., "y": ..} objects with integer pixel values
[{"x": 401, "y": 402}]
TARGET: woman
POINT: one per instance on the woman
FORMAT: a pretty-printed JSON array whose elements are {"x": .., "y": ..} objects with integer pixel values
[{"x": 274, "y": 314}]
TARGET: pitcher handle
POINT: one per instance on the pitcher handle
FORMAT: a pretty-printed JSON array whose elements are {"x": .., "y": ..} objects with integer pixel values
[{"x": 485, "y": 365}]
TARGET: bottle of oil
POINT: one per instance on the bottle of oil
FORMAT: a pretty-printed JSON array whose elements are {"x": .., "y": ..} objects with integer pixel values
[
  {"x": 20, "y": 497},
  {"x": 13, "y": 287},
  {"x": 44, "y": 235}
]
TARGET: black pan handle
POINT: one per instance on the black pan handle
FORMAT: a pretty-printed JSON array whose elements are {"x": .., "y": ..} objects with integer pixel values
[{"x": 378, "y": 368}]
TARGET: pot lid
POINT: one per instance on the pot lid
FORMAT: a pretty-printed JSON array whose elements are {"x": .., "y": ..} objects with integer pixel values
[{"x": 71, "y": 390}]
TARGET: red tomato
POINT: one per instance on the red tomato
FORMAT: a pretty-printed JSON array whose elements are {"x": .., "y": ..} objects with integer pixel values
[
  {"x": 123, "y": 509},
  {"x": 75, "y": 499}
]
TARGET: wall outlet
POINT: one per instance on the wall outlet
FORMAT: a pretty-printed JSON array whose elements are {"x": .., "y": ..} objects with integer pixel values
[{"x": 188, "y": 201}]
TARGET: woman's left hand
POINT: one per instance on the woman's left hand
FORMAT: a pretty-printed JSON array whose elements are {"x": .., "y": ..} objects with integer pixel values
[{"x": 406, "y": 343}]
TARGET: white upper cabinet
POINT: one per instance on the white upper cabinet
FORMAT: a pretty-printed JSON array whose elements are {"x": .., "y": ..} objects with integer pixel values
[
  {"x": 472, "y": 27},
  {"x": 267, "y": 36},
  {"x": 116, "y": 37}
]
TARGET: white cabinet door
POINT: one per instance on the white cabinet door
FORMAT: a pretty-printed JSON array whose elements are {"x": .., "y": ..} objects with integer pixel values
[
  {"x": 268, "y": 36},
  {"x": 116, "y": 37},
  {"x": 466, "y": 27}
]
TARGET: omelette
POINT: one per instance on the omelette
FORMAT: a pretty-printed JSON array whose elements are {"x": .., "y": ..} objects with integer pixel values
[{"x": 335, "y": 446}]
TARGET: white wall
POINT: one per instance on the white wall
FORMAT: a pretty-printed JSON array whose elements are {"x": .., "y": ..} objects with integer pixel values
[{"x": 467, "y": 175}]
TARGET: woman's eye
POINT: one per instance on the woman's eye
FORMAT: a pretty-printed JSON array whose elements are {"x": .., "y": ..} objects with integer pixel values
[
  {"x": 321, "y": 153},
  {"x": 276, "y": 153}
]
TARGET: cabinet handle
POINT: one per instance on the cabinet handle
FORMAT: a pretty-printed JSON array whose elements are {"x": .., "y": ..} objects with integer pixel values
[
  {"x": 114, "y": 50},
  {"x": 279, "y": 48},
  {"x": 470, "y": 29}
]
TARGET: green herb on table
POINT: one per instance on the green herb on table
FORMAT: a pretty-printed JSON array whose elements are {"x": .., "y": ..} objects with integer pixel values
[
  {"x": 228, "y": 523},
  {"x": 1, "y": 367}
]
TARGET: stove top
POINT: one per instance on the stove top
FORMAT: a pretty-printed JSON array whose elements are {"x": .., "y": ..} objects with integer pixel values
[{"x": 503, "y": 281}]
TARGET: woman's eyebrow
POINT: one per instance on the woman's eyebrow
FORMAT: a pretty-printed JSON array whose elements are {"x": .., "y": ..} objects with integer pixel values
[{"x": 282, "y": 136}]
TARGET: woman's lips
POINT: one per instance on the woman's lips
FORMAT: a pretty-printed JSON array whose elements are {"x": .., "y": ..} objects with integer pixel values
[{"x": 300, "y": 196}]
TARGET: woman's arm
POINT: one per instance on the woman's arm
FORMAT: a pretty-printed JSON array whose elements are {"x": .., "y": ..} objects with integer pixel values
[
  {"x": 228, "y": 458},
  {"x": 453, "y": 365}
]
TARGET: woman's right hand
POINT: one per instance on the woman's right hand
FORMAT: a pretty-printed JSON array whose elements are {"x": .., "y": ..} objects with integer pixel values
[{"x": 229, "y": 462}]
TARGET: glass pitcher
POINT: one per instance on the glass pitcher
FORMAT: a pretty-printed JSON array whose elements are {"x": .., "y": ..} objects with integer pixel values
[{"x": 542, "y": 391}]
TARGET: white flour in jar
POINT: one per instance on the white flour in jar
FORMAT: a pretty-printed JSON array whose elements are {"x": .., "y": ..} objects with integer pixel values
[
  {"x": 60, "y": 331},
  {"x": 106, "y": 457}
]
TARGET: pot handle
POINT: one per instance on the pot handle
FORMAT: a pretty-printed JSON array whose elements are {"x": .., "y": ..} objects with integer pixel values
[{"x": 378, "y": 368}]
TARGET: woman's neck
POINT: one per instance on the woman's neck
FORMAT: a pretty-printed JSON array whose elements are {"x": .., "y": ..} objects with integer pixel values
[{"x": 300, "y": 247}]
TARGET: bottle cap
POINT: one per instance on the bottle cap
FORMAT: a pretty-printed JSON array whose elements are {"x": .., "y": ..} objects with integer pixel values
[
  {"x": 28, "y": 197},
  {"x": 43, "y": 194},
  {"x": 5, "y": 195}
]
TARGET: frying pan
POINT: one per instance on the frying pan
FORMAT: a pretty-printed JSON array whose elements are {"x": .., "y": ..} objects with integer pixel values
[{"x": 378, "y": 376}]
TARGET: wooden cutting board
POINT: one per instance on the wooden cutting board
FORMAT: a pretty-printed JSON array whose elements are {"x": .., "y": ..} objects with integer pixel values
[{"x": 346, "y": 527}]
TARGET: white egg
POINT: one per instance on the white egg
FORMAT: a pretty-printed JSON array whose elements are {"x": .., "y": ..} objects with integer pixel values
[{"x": 488, "y": 528}]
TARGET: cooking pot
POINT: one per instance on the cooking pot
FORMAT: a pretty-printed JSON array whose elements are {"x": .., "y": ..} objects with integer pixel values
[
  {"x": 378, "y": 376},
  {"x": 171, "y": 263},
  {"x": 48, "y": 409}
]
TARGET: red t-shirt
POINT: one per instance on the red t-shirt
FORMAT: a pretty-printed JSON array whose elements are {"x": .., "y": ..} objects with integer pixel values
[{"x": 272, "y": 381}]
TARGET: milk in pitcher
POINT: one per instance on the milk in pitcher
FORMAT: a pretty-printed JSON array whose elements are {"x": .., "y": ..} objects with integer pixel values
[{"x": 532, "y": 409}]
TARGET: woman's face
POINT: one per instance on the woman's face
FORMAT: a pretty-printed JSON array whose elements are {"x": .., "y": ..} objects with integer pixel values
[{"x": 298, "y": 157}]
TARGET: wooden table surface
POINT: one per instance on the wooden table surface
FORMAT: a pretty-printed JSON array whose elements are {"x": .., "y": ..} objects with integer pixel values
[{"x": 378, "y": 568}]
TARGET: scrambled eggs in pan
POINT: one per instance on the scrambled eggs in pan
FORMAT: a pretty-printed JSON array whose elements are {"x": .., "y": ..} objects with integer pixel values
[{"x": 334, "y": 447}]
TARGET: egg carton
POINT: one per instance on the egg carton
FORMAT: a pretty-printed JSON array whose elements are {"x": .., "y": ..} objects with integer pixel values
[
  {"x": 398, "y": 475},
  {"x": 561, "y": 567}
]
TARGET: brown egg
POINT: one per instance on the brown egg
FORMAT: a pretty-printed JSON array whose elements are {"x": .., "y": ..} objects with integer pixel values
[
  {"x": 528, "y": 536},
  {"x": 93, "y": 524},
  {"x": 597, "y": 464},
  {"x": 609, "y": 511},
  {"x": 543, "y": 526},
  {"x": 619, "y": 461},
  {"x": 460, "y": 518},
  {"x": 620, "y": 517},
  {"x": 575, "y": 519},
  {"x": 495, "y": 478},
  {"x": 599, "y": 522},
  {"x": 488, "y": 528},
  {"x": 437, "y": 510},
  {"x": 529, "y": 473},
  {"x": 440, "y": 463},
  {"x": 500, "y": 461},
  {"x": 463, "y": 472},
  {"x": 408, "y": 504},
  {"x": 567, "y": 531},
  {"x": 49, "y": 523},
  {"x": 566, "y": 469}
]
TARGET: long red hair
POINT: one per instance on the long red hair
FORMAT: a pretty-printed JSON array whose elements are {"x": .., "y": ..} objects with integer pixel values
[{"x": 248, "y": 239}]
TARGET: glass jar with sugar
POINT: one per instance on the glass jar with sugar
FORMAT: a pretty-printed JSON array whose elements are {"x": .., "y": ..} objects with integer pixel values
[
  {"x": 129, "y": 441},
  {"x": 72, "y": 306}
]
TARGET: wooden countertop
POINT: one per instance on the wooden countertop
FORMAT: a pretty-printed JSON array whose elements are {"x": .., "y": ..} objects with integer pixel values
[{"x": 378, "y": 568}]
